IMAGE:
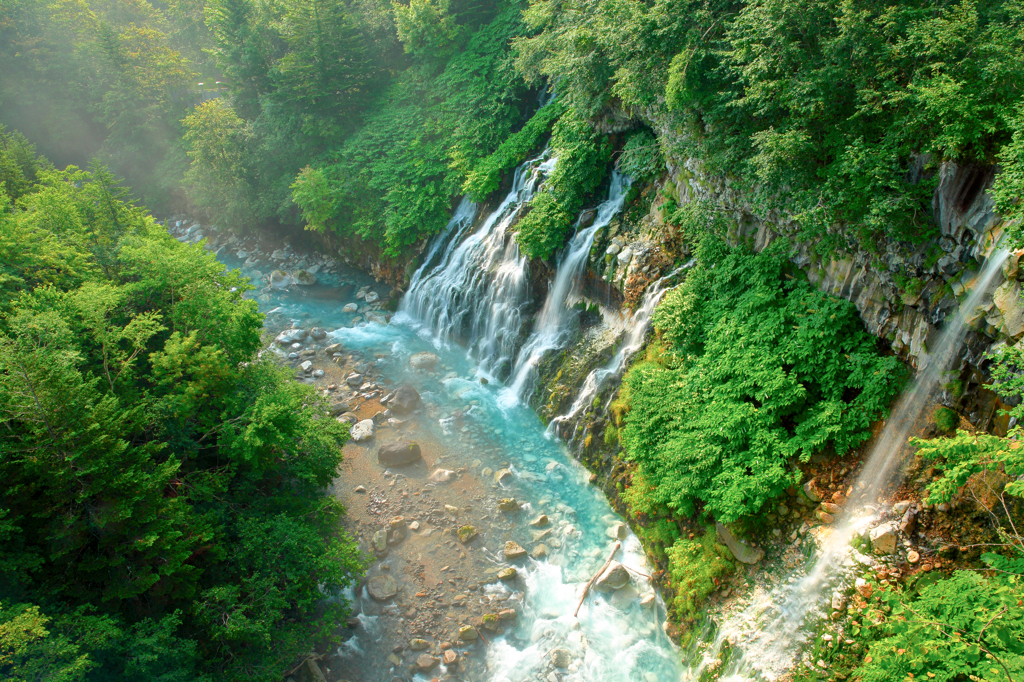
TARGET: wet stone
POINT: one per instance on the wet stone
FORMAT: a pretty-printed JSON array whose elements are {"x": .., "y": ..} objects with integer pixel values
[
  {"x": 382, "y": 587},
  {"x": 561, "y": 658},
  {"x": 468, "y": 633},
  {"x": 514, "y": 551},
  {"x": 425, "y": 663}
]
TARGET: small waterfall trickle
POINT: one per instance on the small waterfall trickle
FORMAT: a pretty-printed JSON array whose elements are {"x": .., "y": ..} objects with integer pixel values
[
  {"x": 634, "y": 329},
  {"x": 550, "y": 330},
  {"x": 769, "y": 633},
  {"x": 476, "y": 291}
]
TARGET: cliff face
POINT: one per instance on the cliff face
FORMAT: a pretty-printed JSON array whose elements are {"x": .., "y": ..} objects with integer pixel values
[{"x": 903, "y": 292}]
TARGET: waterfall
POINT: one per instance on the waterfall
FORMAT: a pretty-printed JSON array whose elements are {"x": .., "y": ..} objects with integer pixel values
[
  {"x": 477, "y": 290},
  {"x": 550, "y": 330},
  {"x": 770, "y": 632},
  {"x": 634, "y": 329}
]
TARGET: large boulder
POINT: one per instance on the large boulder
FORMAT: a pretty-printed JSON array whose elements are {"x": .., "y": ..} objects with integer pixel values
[
  {"x": 405, "y": 400},
  {"x": 371, "y": 297},
  {"x": 279, "y": 279},
  {"x": 362, "y": 431},
  {"x": 304, "y": 278},
  {"x": 350, "y": 308},
  {"x": 382, "y": 587},
  {"x": 615, "y": 577},
  {"x": 400, "y": 453},
  {"x": 513, "y": 550},
  {"x": 290, "y": 336},
  {"x": 424, "y": 361},
  {"x": 883, "y": 539}
]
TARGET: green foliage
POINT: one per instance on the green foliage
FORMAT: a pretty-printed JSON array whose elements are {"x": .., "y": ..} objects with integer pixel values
[
  {"x": 583, "y": 156},
  {"x": 762, "y": 367},
  {"x": 1008, "y": 187},
  {"x": 946, "y": 420},
  {"x": 836, "y": 111},
  {"x": 163, "y": 514},
  {"x": 964, "y": 627},
  {"x": 425, "y": 27},
  {"x": 484, "y": 178},
  {"x": 392, "y": 182},
  {"x": 641, "y": 157},
  {"x": 695, "y": 568}
]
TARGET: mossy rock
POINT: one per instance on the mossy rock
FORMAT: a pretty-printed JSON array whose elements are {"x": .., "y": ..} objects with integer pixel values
[{"x": 466, "y": 534}]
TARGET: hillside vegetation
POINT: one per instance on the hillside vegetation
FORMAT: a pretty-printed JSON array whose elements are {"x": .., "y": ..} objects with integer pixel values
[{"x": 162, "y": 512}]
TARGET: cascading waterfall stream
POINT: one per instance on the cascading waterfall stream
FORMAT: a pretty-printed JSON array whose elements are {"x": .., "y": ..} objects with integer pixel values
[
  {"x": 769, "y": 632},
  {"x": 637, "y": 325},
  {"x": 478, "y": 289},
  {"x": 551, "y": 327}
]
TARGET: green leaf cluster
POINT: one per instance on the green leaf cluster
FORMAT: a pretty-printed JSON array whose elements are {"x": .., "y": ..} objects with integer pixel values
[
  {"x": 583, "y": 156},
  {"x": 964, "y": 627},
  {"x": 163, "y": 511},
  {"x": 760, "y": 368}
]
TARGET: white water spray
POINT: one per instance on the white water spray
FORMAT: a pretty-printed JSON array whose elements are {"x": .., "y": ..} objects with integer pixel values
[
  {"x": 477, "y": 291},
  {"x": 635, "y": 329},
  {"x": 769, "y": 633},
  {"x": 551, "y": 327}
]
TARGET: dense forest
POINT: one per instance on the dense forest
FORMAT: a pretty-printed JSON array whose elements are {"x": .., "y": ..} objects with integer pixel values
[{"x": 162, "y": 513}]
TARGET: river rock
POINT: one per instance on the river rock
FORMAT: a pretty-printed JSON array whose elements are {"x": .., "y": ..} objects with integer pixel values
[
  {"x": 541, "y": 521},
  {"x": 371, "y": 297},
  {"x": 824, "y": 516},
  {"x": 306, "y": 366},
  {"x": 450, "y": 657},
  {"x": 290, "y": 336},
  {"x": 380, "y": 542},
  {"x": 334, "y": 348},
  {"x": 468, "y": 633},
  {"x": 810, "y": 491},
  {"x": 913, "y": 556},
  {"x": 405, "y": 400},
  {"x": 382, "y": 587},
  {"x": 350, "y": 308},
  {"x": 883, "y": 539},
  {"x": 418, "y": 644},
  {"x": 618, "y": 531},
  {"x": 424, "y": 361},
  {"x": 540, "y": 551},
  {"x": 425, "y": 663},
  {"x": 279, "y": 279},
  {"x": 441, "y": 475},
  {"x": 399, "y": 453},
  {"x": 831, "y": 508},
  {"x": 362, "y": 431},
  {"x": 304, "y": 278},
  {"x": 502, "y": 475},
  {"x": 318, "y": 334},
  {"x": 514, "y": 551},
  {"x": 615, "y": 577},
  {"x": 508, "y": 504},
  {"x": 561, "y": 658},
  {"x": 466, "y": 534},
  {"x": 354, "y": 379},
  {"x": 508, "y": 573},
  {"x": 340, "y": 408},
  {"x": 743, "y": 552}
]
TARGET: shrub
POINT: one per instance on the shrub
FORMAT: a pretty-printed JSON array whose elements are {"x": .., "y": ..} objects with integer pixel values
[
  {"x": 696, "y": 566},
  {"x": 763, "y": 368}
]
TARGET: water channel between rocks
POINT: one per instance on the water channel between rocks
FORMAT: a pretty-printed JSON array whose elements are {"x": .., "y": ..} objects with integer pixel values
[{"x": 442, "y": 583}]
